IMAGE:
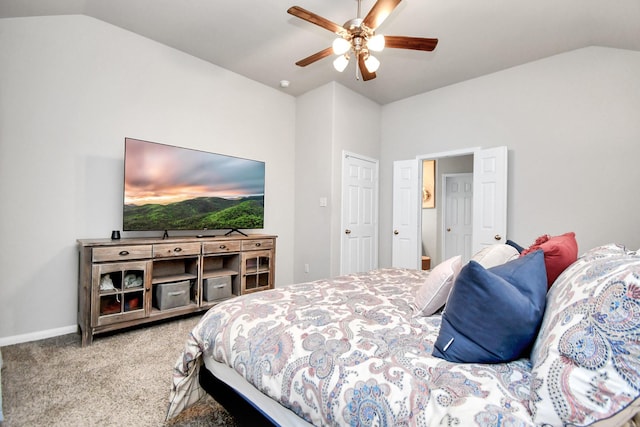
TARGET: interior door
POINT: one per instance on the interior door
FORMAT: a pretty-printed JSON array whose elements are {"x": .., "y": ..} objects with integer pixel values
[
  {"x": 359, "y": 214},
  {"x": 489, "y": 197},
  {"x": 406, "y": 213},
  {"x": 458, "y": 215}
]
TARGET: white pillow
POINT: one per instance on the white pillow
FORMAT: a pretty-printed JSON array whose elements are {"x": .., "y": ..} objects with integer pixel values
[
  {"x": 495, "y": 255},
  {"x": 433, "y": 293}
]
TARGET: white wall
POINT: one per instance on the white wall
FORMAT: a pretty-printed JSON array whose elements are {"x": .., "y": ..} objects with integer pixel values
[
  {"x": 571, "y": 124},
  {"x": 314, "y": 136},
  {"x": 71, "y": 89},
  {"x": 329, "y": 120},
  {"x": 357, "y": 130}
]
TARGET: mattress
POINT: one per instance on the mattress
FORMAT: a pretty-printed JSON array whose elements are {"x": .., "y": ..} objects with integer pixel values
[{"x": 270, "y": 409}]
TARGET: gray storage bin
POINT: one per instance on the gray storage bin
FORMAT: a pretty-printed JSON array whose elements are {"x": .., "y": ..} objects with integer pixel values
[
  {"x": 216, "y": 288},
  {"x": 171, "y": 295}
]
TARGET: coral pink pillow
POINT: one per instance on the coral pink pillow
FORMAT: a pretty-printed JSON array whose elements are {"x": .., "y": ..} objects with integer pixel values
[{"x": 559, "y": 253}]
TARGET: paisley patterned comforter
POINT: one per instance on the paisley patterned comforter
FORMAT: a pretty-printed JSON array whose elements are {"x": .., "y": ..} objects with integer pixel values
[{"x": 350, "y": 351}]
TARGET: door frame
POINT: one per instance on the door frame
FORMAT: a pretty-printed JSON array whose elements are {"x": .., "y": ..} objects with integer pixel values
[
  {"x": 376, "y": 194},
  {"x": 470, "y": 151},
  {"x": 496, "y": 176}
]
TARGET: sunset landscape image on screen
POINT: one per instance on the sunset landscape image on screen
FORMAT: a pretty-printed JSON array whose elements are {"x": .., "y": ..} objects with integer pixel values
[{"x": 173, "y": 188}]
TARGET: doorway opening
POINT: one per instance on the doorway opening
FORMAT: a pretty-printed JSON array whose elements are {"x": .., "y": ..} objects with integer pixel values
[
  {"x": 433, "y": 230},
  {"x": 489, "y": 205}
]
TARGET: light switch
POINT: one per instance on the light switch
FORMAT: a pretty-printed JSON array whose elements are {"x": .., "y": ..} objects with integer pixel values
[{"x": 323, "y": 202}]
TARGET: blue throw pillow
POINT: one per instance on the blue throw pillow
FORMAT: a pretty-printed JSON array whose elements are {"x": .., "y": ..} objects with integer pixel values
[
  {"x": 515, "y": 245},
  {"x": 493, "y": 315}
]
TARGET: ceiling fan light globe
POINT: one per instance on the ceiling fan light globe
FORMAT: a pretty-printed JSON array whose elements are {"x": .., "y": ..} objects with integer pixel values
[
  {"x": 341, "y": 46},
  {"x": 372, "y": 63},
  {"x": 376, "y": 43},
  {"x": 340, "y": 63}
]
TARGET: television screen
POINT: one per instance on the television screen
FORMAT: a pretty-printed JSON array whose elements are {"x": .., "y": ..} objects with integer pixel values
[{"x": 174, "y": 188}]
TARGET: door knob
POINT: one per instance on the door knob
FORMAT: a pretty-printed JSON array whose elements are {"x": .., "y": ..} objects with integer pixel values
[
  {"x": 497, "y": 237},
  {"x": 347, "y": 231},
  {"x": 449, "y": 229},
  {"x": 396, "y": 232}
]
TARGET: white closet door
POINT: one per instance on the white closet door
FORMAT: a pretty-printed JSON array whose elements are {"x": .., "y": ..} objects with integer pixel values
[
  {"x": 406, "y": 214},
  {"x": 489, "y": 197},
  {"x": 359, "y": 214}
]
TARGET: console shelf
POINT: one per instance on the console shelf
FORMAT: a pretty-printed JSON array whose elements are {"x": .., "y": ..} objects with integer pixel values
[
  {"x": 218, "y": 273},
  {"x": 128, "y": 282}
]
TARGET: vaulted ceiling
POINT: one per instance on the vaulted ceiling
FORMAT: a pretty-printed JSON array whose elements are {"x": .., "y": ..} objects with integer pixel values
[{"x": 260, "y": 40}]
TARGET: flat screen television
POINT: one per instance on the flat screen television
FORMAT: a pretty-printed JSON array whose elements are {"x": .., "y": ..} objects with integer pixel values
[{"x": 173, "y": 188}]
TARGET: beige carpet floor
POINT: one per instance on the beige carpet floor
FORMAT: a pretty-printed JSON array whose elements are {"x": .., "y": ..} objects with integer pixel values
[{"x": 123, "y": 379}]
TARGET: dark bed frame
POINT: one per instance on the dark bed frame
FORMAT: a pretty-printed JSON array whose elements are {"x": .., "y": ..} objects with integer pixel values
[{"x": 245, "y": 413}]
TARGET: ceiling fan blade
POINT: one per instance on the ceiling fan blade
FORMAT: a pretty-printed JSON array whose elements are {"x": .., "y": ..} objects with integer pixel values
[
  {"x": 366, "y": 74},
  {"x": 315, "y": 57},
  {"x": 315, "y": 19},
  {"x": 415, "y": 43},
  {"x": 379, "y": 13}
]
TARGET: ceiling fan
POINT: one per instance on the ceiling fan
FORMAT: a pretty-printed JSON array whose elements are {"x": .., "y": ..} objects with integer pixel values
[{"x": 357, "y": 37}]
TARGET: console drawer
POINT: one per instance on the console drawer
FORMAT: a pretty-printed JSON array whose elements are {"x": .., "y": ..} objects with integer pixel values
[
  {"x": 167, "y": 250},
  {"x": 249, "y": 245},
  {"x": 120, "y": 253},
  {"x": 221, "y": 247}
]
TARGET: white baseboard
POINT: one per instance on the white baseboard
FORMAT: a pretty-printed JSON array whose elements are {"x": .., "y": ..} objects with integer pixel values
[{"x": 40, "y": 335}]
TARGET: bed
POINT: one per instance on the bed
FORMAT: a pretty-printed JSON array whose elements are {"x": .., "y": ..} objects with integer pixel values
[{"x": 357, "y": 350}]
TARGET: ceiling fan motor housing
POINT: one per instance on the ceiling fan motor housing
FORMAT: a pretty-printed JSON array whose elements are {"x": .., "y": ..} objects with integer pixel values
[{"x": 356, "y": 33}]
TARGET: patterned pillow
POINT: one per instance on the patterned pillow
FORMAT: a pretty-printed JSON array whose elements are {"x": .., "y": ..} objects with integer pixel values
[
  {"x": 586, "y": 359},
  {"x": 433, "y": 293}
]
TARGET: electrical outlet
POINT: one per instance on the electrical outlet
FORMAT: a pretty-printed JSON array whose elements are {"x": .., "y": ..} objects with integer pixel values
[{"x": 306, "y": 268}]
